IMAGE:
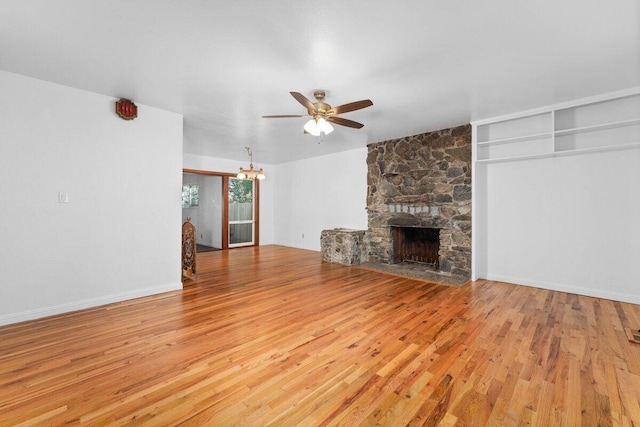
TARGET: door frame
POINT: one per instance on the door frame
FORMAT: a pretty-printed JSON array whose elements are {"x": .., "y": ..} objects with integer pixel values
[{"x": 225, "y": 210}]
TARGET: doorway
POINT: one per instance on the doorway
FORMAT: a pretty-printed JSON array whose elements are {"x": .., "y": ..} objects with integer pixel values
[
  {"x": 203, "y": 203},
  {"x": 225, "y": 210},
  {"x": 241, "y": 212}
]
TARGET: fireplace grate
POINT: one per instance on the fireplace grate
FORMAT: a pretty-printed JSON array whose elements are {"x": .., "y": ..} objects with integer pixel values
[
  {"x": 416, "y": 245},
  {"x": 420, "y": 260}
]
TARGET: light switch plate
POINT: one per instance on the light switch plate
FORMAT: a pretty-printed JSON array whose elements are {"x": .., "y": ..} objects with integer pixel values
[{"x": 63, "y": 197}]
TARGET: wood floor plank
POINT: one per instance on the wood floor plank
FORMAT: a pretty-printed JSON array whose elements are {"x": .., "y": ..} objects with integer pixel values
[{"x": 274, "y": 336}]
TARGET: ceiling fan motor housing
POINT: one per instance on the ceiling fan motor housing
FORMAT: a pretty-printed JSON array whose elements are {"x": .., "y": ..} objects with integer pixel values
[{"x": 321, "y": 106}]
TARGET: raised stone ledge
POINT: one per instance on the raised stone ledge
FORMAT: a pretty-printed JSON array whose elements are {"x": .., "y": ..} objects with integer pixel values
[
  {"x": 414, "y": 209},
  {"x": 343, "y": 246}
]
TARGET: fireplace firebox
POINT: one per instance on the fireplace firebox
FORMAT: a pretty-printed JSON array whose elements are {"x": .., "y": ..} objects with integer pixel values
[{"x": 419, "y": 245}]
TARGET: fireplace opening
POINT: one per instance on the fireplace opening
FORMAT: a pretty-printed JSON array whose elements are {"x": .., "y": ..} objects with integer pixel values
[{"x": 416, "y": 245}]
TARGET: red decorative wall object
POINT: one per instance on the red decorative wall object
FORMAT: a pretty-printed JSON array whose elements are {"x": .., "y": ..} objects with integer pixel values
[{"x": 126, "y": 109}]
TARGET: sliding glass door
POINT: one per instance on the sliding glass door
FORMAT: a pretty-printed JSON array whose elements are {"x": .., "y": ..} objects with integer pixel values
[{"x": 241, "y": 212}]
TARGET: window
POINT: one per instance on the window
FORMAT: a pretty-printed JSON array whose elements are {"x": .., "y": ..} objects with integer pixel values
[
  {"x": 241, "y": 212},
  {"x": 190, "y": 195}
]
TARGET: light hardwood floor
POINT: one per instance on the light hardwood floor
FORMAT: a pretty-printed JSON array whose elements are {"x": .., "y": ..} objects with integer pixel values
[{"x": 274, "y": 336}]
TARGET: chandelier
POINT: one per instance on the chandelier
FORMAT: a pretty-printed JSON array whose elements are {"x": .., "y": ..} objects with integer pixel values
[{"x": 251, "y": 173}]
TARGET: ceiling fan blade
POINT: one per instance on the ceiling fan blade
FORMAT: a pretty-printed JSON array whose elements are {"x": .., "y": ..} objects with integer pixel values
[
  {"x": 304, "y": 101},
  {"x": 344, "y": 122},
  {"x": 352, "y": 106},
  {"x": 285, "y": 116}
]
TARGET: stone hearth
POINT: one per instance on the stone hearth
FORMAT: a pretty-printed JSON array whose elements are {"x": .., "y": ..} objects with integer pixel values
[{"x": 422, "y": 181}]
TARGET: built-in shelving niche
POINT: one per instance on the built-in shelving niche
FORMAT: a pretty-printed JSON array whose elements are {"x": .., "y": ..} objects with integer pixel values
[{"x": 583, "y": 126}]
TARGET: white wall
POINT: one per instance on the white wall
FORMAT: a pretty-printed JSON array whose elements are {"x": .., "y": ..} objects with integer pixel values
[
  {"x": 569, "y": 223},
  {"x": 212, "y": 164},
  {"x": 320, "y": 193},
  {"x": 118, "y": 237}
]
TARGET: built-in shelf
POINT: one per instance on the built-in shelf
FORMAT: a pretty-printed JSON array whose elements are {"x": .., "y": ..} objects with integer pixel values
[
  {"x": 515, "y": 158},
  {"x": 563, "y": 153},
  {"x": 517, "y": 139},
  {"x": 604, "y": 126},
  {"x": 603, "y": 123}
]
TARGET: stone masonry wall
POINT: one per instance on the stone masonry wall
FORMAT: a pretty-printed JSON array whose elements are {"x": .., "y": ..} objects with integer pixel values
[{"x": 422, "y": 181}]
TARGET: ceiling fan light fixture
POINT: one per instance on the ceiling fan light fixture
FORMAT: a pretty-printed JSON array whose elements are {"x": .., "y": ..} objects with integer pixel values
[
  {"x": 318, "y": 125},
  {"x": 312, "y": 127},
  {"x": 324, "y": 126}
]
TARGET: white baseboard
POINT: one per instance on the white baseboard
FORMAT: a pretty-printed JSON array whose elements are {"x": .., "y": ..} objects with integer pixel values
[
  {"x": 293, "y": 245},
  {"x": 596, "y": 293},
  {"x": 87, "y": 303}
]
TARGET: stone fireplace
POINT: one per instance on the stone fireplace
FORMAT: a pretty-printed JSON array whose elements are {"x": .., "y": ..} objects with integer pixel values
[{"x": 419, "y": 183}]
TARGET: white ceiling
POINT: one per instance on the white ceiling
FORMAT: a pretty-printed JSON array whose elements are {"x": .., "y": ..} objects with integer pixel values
[{"x": 425, "y": 64}]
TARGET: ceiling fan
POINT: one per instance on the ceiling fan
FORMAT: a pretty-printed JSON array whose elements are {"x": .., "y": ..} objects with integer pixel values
[{"x": 322, "y": 113}]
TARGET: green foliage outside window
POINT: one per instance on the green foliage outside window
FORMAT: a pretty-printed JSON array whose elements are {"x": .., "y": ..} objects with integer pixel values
[{"x": 240, "y": 191}]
